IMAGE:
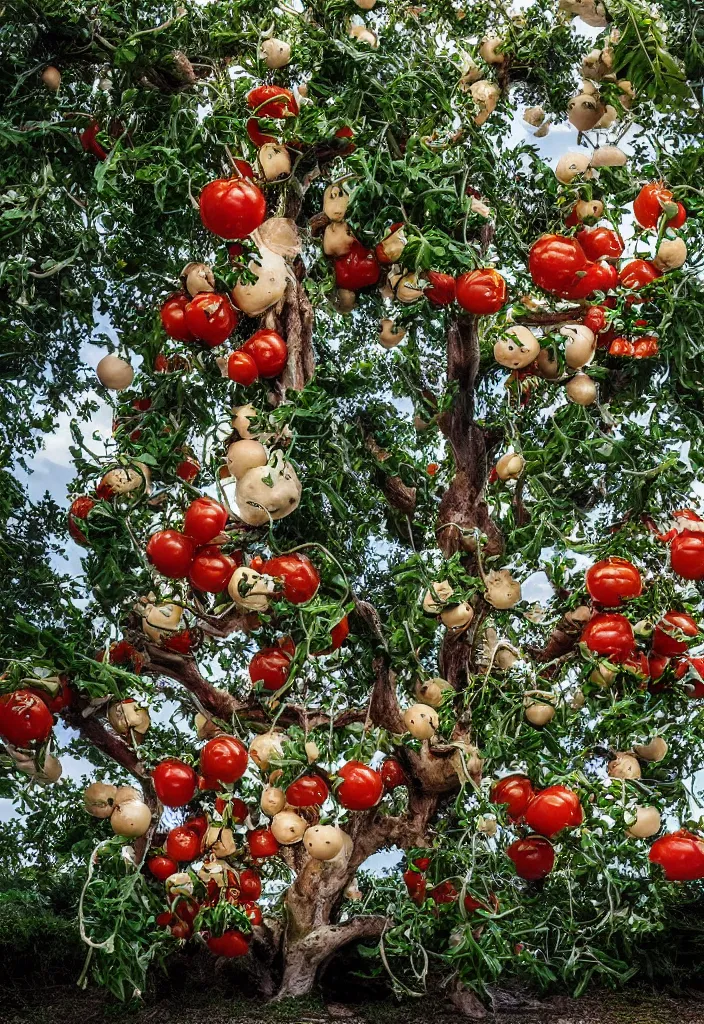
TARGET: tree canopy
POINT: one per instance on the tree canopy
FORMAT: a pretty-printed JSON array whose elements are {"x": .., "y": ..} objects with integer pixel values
[{"x": 488, "y": 379}]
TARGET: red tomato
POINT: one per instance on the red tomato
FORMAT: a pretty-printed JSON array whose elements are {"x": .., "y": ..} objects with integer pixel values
[
  {"x": 666, "y": 637},
  {"x": 165, "y": 919},
  {"x": 595, "y": 319},
  {"x": 637, "y": 274},
  {"x": 269, "y": 352},
  {"x": 211, "y": 318},
  {"x": 299, "y": 575},
  {"x": 253, "y": 913},
  {"x": 211, "y": 570},
  {"x": 272, "y": 101},
  {"x": 680, "y": 217},
  {"x": 481, "y": 291},
  {"x": 443, "y": 893},
  {"x": 595, "y": 277},
  {"x": 224, "y": 758},
  {"x": 553, "y": 809},
  {"x": 680, "y": 855},
  {"x": 197, "y": 823},
  {"x": 442, "y": 290},
  {"x": 187, "y": 470},
  {"x": 338, "y": 635},
  {"x": 361, "y": 786},
  {"x": 173, "y": 317},
  {"x": 181, "y": 930},
  {"x": 621, "y": 347},
  {"x": 182, "y": 844},
  {"x": 422, "y": 863},
  {"x": 258, "y": 137},
  {"x": 554, "y": 261},
  {"x": 358, "y": 269},
  {"x": 262, "y": 843},
  {"x": 61, "y": 698},
  {"x": 416, "y": 884},
  {"x": 80, "y": 509},
  {"x": 123, "y": 653},
  {"x": 244, "y": 167},
  {"x": 515, "y": 791},
  {"x": 693, "y": 670},
  {"x": 24, "y": 718},
  {"x": 687, "y": 555},
  {"x": 657, "y": 665},
  {"x": 175, "y": 783},
  {"x": 613, "y": 580},
  {"x": 600, "y": 243},
  {"x": 185, "y": 908},
  {"x": 308, "y": 791},
  {"x": 161, "y": 867},
  {"x": 205, "y": 518},
  {"x": 250, "y": 885},
  {"x": 645, "y": 347},
  {"x": 611, "y": 635},
  {"x": 270, "y": 667},
  {"x": 637, "y": 664},
  {"x": 231, "y": 943},
  {"x": 241, "y": 368},
  {"x": 650, "y": 203},
  {"x": 533, "y": 857},
  {"x": 232, "y": 207},
  {"x": 182, "y": 642},
  {"x": 171, "y": 553},
  {"x": 392, "y": 774},
  {"x": 89, "y": 141},
  {"x": 239, "y": 811}
]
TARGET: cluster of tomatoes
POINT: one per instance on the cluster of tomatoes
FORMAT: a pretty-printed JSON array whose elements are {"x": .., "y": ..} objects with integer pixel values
[
  {"x": 443, "y": 893},
  {"x": 610, "y": 635},
  {"x": 27, "y": 714},
  {"x": 545, "y": 812},
  {"x": 191, "y": 553}
]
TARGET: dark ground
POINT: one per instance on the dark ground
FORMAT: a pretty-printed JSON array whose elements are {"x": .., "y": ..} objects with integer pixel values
[{"x": 66, "y": 1005}]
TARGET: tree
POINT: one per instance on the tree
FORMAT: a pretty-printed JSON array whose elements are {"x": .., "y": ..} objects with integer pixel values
[{"x": 435, "y": 299}]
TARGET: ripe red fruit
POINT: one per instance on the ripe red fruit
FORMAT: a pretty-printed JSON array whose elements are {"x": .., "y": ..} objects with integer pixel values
[
  {"x": 361, "y": 786},
  {"x": 645, "y": 347},
  {"x": 197, "y": 823},
  {"x": 308, "y": 791},
  {"x": 250, "y": 885},
  {"x": 232, "y": 207},
  {"x": 637, "y": 274},
  {"x": 182, "y": 844},
  {"x": 272, "y": 101},
  {"x": 183, "y": 642},
  {"x": 553, "y": 809},
  {"x": 554, "y": 261},
  {"x": 224, "y": 758},
  {"x": 443, "y": 893},
  {"x": 621, "y": 347},
  {"x": 175, "y": 783},
  {"x": 600, "y": 243},
  {"x": 269, "y": 352},
  {"x": 161, "y": 867},
  {"x": 666, "y": 639},
  {"x": 241, "y": 368},
  {"x": 238, "y": 809},
  {"x": 637, "y": 664},
  {"x": 416, "y": 885},
  {"x": 173, "y": 317},
  {"x": 533, "y": 857},
  {"x": 211, "y": 570},
  {"x": 61, "y": 698},
  {"x": 392, "y": 774},
  {"x": 262, "y": 843},
  {"x": 256, "y": 136},
  {"x": 211, "y": 318},
  {"x": 651, "y": 202},
  {"x": 230, "y": 944},
  {"x": 338, "y": 635},
  {"x": 205, "y": 518},
  {"x": 80, "y": 509},
  {"x": 422, "y": 863},
  {"x": 515, "y": 791},
  {"x": 613, "y": 580},
  {"x": 595, "y": 319},
  {"x": 594, "y": 277},
  {"x": 442, "y": 288},
  {"x": 358, "y": 269},
  {"x": 253, "y": 913},
  {"x": 693, "y": 669},
  {"x": 171, "y": 553},
  {"x": 24, "y": 718},
  {"x": 187, "y": 470},
  {"x": 687, "y": 555},
  {"x": 611, "y": 635},
  {"x": 680, "y": 855},
  {"x": 481, "y": 291},
  {"x": 299, "y": 575},
  {"x": 270, "y": 667}
]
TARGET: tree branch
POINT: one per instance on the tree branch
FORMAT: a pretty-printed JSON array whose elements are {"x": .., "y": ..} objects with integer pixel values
[{"x": 108, "y": 742}]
